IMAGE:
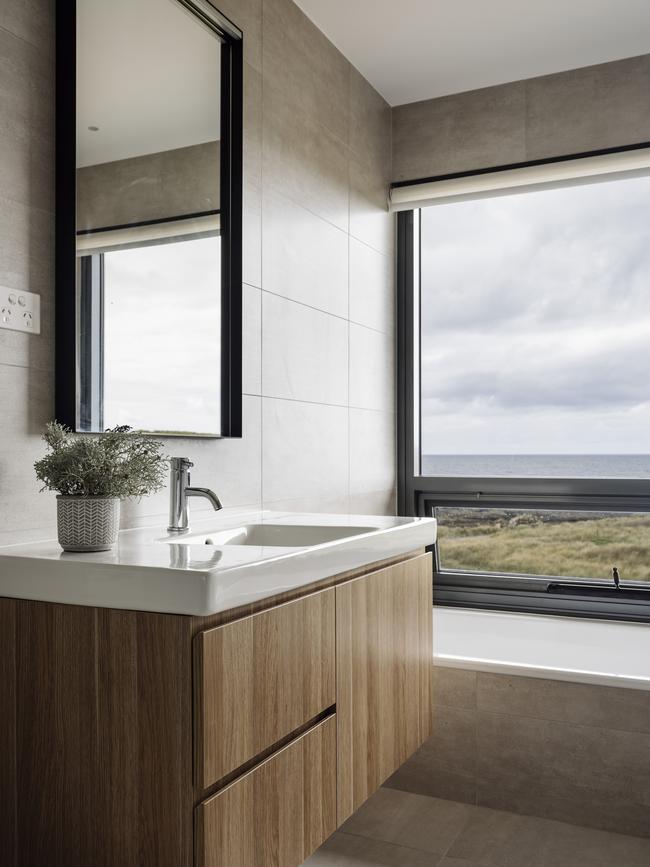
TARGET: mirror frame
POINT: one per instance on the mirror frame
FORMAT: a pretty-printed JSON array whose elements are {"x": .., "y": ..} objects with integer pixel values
[{"x": 230, "y": 206}]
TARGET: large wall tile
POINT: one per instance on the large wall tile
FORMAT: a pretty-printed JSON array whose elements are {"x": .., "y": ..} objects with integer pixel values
[
  {"x": 581, "y": 110},
  {"x": 303, "y": 160},
  {"x": 370, "y": 220},
  {"x": 304, "y": 352},
  {"x": 26, "y": 123},
  {"x": 26, "y": 248},
  {"x": 457, "y": 133},
  {"x": 586, "y": 109},
  {"x": 370, "y": 124},
  {"x": 372, "y": 288},
  {"x": 586, "y": 765},
  {"x": 573, "y": 804},
  {"x": 372, "y": 451},
  {"x": 26, "y": 398},
  {"x": 588, "y": 704},
  {"x": 252, "y": 192},
  {"x": 305, "y": 451},
  {"x": 31, "y": 20},
  {"x": 303, "y": 256},
  {"x": 372, "y": 369},
  {"x": 252, "y": 157},
  {"x": 307, "y": 72},
  {"x": 252, "y": 235},
  {"x": 374, "y": 503},
  {"x": 252, "y": 340},
  {"x": 337, "y": 505}
]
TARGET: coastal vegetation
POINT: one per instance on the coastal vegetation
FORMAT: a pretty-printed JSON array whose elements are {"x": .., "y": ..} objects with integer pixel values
[{"x": 570, "y": 544}]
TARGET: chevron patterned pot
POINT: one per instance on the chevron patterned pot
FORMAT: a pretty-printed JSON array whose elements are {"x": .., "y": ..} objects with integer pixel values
[{"x": 87, "y": 523}]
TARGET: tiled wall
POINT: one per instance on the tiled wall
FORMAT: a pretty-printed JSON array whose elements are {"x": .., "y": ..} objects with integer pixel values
[
  {"x": 319, "y": 399},
  {"x": 570, "y": 751},
  {"x": 570, "y": 112}
]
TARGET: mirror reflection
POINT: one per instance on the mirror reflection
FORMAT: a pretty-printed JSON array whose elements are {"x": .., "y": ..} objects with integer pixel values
[{"x": 148, "y": 222}]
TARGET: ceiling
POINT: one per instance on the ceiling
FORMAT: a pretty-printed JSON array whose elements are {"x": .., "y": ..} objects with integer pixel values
[
  {"x": 148, "y": 76},
  {"x": 418, "y": 49}
]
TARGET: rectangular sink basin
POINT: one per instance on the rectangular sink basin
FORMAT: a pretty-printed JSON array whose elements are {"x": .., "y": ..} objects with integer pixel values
[{"x": 271, "y": 535}]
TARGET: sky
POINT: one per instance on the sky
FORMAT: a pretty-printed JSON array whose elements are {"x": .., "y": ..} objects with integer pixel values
[
  {"x": 536, "y": 322},
  {"x": 162, "y": 346}
]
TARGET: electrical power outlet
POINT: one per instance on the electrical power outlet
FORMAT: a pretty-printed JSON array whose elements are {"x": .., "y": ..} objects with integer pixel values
[{"x": 20, "y": 311}]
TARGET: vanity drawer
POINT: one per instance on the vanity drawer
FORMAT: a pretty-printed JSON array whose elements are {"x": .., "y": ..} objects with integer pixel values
[
  {"x": 259, "y": 679},
  {"x": 277, "y": 814}
]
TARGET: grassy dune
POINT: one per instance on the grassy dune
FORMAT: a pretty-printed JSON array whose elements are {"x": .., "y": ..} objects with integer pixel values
[{"x": 540, "y": 544}]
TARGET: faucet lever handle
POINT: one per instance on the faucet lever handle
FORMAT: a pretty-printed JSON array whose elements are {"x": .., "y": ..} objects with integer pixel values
[{"x": 179, "y": 463}]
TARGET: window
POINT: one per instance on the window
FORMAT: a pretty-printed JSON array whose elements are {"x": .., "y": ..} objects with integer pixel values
[
  {"x": 131, "y": 376},
  {"x": 525, "y": 395}
]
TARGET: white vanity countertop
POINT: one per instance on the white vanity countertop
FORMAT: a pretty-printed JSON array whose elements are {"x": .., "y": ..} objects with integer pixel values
[{"x": 144, "y": 573}]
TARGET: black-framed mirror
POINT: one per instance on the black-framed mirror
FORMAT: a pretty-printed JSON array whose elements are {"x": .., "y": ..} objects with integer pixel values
[{"x": 148, "y": 217}]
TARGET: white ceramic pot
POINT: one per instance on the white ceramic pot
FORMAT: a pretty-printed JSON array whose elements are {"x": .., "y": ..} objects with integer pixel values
[{"x": 87, "y": 523}]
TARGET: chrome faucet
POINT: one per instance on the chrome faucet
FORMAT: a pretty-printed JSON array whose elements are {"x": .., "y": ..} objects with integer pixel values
[{"x": 180, "y": 490}]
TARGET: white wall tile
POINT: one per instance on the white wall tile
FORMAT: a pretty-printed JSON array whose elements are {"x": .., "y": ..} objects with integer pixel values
[
  {"x": 304, "y": 352},
  {"x": 303, "y": 256},
  {"x": 372, "y": 288},
  {"x": 252, "y": 340},
  {"x": 305, "y": 451},
  {"x": 372, "y": 369},
  {"x": 372, "y": 451}
]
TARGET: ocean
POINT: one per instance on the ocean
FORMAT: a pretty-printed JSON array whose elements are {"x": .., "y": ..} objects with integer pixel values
[{"x": 540, "y": 466}]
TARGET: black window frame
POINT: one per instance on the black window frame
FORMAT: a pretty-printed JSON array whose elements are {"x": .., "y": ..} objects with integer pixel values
[{"x": 420, "y": 495}]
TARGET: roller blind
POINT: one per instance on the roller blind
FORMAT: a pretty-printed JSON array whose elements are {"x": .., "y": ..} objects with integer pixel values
[
  {"x": 579, "y": 170},
  {"x": 147, "y": 235}
]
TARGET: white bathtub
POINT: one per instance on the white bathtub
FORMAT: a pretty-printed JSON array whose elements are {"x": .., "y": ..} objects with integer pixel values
[{"x": 560, "y": 648}]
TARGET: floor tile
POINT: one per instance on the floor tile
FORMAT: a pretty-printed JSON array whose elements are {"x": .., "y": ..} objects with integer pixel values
[
  {"x": 346, "y": 850},
  {"x": 499, "y": 839},
  {"x": 458, "y": 862},
  {"x": 416, "y": 821}
]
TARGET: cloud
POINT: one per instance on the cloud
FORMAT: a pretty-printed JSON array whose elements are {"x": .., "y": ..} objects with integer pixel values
[{"x": 538, "y": 304}]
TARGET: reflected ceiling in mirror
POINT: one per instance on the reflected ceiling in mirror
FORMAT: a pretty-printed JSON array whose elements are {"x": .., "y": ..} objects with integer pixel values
[{"x": 148, "y": 221}]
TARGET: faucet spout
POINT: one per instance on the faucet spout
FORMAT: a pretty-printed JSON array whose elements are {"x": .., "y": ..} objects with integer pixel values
[{"x": 207, "y": 494}]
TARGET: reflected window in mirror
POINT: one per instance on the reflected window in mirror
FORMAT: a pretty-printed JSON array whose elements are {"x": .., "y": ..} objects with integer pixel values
[{"x": 157, "y": 180}]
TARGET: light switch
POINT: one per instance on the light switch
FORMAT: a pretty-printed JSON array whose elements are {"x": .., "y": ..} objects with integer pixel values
[{"x": 20, "y": 311}]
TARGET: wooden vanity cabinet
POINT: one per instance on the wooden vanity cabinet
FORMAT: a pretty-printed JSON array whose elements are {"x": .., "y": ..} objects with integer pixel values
[
  {"x": 243, "y": 739},
  {"x": 384, "y": 648}
]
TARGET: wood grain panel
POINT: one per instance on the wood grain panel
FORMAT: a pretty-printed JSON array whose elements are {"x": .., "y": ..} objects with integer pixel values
[
  {"x": 102, "y": 753},
  {"x": 209, "y": 621},
  {"x": 384, "y": 666},
  {"x": 260, "y": 678},
  {"x": 278, "y": 813},
  {"x": 8, "y": 779}
]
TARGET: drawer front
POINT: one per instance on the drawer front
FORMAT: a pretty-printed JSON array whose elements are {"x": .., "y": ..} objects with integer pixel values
[
  {"x": 277, "y": 814},
  {"x": 259, "y": 679}
]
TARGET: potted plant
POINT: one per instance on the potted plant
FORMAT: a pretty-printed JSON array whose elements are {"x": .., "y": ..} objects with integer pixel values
[{"x": 92, "y": 474}]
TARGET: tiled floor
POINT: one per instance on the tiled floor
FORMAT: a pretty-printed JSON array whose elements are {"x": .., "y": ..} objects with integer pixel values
[{"x": 399, "y": 829}]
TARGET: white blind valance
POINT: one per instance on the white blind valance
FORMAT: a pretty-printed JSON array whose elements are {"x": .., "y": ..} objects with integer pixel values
[
  {"x": 146, "y": 235},
  {"x": 581, "y": 170}
]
